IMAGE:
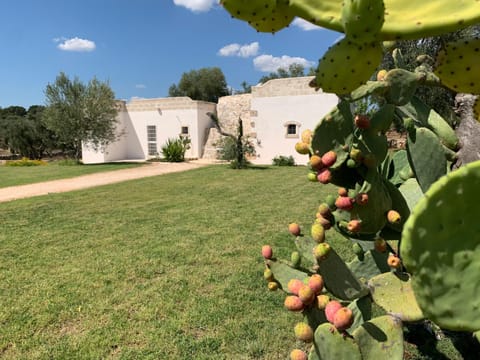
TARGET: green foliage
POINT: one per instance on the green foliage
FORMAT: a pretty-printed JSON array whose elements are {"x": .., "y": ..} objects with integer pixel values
[
  {"x": 228, "y": 149},
  {"x": 207, "y": 84},
  {"x": 174, "y": 149},
  {"x": 282, "y": 160},
  {"x": 25, "y": 162},
  {"x": 81, "y": 113},
  {"x": 293, "y": 70}
]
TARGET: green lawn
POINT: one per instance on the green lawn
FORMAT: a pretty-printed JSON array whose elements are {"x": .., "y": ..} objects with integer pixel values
[
  {"x": 21, "y": 175},
  {"x": 165, "y": 267}
]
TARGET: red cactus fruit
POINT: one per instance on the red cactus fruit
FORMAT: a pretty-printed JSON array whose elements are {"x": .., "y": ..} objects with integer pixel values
[
  {"x": 380, "y": 245},
  {"x": 293, "y": 303},
  {"x": 393, "y": 217},
  {"x": 303, "y": 332},
  {"x": 324, "y": 176},
  {"x": 325, "y": 222},
  {"x": 306, "y": 294},
  {"x": 342, "y": 192},
  {"x": 354, "y": 226},
  {"x": 343, "y": 319},
  {"x": 316, "y": 162},
  {"x": 294, "y": 229},
  {"x": 318, "y": 233},
  {"x": 394, "y": 261},
  {"x": 329, "y": 158},
  {"x": 362, "y": 121},
  {"x": 322, "y": 301},
  {"x": 302, "y": 148},
  {"x": 272, "y": 286},
  {"x": 362, "y": 199},
  {"x": 331, "y": 309},
  {"x": 344, "y": 203},
  {"x": 321, "y": 251},
  {"x": 294, "y": 285},
  {"x": 267, "y": 251},
  {"x": 315, "y": 282},
  {"x": 297, "y": 354}
]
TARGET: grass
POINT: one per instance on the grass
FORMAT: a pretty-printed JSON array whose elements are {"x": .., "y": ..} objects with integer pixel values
[
  {"x": 165, "y": 267},
  {"x": 21, "y": 175}
]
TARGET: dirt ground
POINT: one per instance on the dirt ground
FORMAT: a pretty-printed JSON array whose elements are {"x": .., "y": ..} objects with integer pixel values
[{"x": 87, "y": 181}]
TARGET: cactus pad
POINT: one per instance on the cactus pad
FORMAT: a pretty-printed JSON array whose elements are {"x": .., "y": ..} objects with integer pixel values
[
  {"x": 263, "y": 15},
  {"x": 457, "y": 65},
  {"x": 284, "y": 273},
  {"x": 362, "y": 19},
  {"x": 373, "y": 264},
  {"x": 380, "y": 338},
  {"x": 393, "y": 292},
  {"x": 328, "y": 343},
  {"x": 402, "y": 85},
  {"x": 441, "y": 248},
  {"x": 347, "y": 65}
]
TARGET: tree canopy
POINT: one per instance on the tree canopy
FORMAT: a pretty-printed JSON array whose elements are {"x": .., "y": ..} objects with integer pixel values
[
  {"x": 78, "y": 112},
  {"x": 207, "y": 84}
]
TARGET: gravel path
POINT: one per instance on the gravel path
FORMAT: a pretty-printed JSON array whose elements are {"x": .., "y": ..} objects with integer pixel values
[{"x": 87, "y": 181}]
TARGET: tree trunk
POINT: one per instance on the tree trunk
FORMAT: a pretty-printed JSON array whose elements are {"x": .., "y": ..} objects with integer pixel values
[{"x": 468, "y": 131}]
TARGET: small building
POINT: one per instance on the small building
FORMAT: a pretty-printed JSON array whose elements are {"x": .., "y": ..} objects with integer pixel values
[{"x": 274, "y": 116}]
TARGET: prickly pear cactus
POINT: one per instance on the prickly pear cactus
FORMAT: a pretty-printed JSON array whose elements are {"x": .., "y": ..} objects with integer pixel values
[{"x": 441, "y": 248}]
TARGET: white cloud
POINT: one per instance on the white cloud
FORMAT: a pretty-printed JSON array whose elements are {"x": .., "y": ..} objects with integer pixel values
[
  {"x": 269, "y": 63},
  {"x": 75, "y": 44},
  {"x": 140, "y": 86},
  {"x": 244, "y": 51},
  {"x": 305, "y": 25},
  {"x": 196, "y": 5}
]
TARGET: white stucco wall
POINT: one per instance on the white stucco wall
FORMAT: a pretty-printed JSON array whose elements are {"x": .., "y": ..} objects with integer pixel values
[{"x": 282, "y": 101}]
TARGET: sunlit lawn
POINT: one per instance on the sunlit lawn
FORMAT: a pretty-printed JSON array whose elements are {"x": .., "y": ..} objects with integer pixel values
[{"x": 165, "y": 267}]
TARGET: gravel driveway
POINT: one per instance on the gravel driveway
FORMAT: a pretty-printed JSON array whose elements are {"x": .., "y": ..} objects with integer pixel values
[{"x": 87, "y": 181}]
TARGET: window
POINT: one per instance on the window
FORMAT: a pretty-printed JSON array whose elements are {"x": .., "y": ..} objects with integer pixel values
[
  {"x": 184, "y": 130},
  {"x": 292, "y": 129},
  {"x": 152, "y": 140}
]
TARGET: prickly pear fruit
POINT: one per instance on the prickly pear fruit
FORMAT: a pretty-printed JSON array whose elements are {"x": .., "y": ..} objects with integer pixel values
[
  {"x": 303, "y": 332},
  {"x": 316, "y": 162},
  {"x": 342, "y": 191},
  {"x": 343, "y": 318},
  {"x": 267, "y": 251},
  {"x": 356, "y": 154},
  {"x": 324, "y": 210},
  {"x": 293, "y": 303},
  {"x": 324, "y": 176},
  {"x": 296, "y": 259},
  {"x": 362, "y": 199},
  {"x": 344, "y": 203},
  {"x": 362, "y": 121},
  {"x": 312, "y": 177},
  {"x": 315, "y": 282},
  {"x": 322, "y": 301},
  {"x": 331, "y": 309},
  {"x": 393, "y": 217},
  {"x": 297, "y": 354},
  {"x": 380, "y": 245},
  {"x": 294, "y": 229},
  {"x": 321, "y": 251},
  {"x": 329, "y": 158},
  {"x": 302, "y": 148},
  {"x": 394, "y": 262},
  {"x": 381, "y": 74},
  {"x": 294, "y": 286},
  {"x": 306, "y": 294},
  {"x": 318, "y": 233},
  {"x": 354, "y": 226},
  {"x": 330, "y": 201},
  {"x": 307, "y": 136},
  {"x": 324, "y": 221},
  {"x": 272, "y": 286},
  {"x": 358, "y": 250},
  {"x": 268, "y": 274}
]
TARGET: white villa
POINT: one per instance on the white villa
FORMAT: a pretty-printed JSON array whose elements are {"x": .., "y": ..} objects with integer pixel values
[{"x": 274, "y": 115}]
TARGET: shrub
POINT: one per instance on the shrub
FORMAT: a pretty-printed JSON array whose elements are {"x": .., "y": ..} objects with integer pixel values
[
  {"x": 25, "y": 162},
  {"x": 174, "y": 149},
  {"x": 283, "y": 160},
  {"x": 68, "y": 162},
  {"x": 228, "y": 150}
]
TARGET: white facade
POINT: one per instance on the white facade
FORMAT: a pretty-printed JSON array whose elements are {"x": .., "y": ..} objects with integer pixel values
[
  {"x": 274, "y": 115},
  {"x": 146, "y": 125}
]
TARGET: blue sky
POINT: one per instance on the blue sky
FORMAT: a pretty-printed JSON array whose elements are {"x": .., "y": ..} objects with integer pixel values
[{"x": 140, "y": 47}]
